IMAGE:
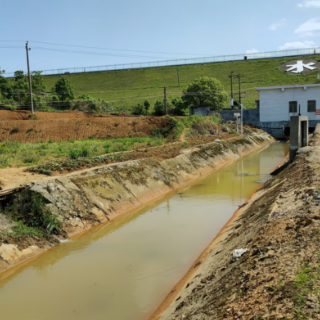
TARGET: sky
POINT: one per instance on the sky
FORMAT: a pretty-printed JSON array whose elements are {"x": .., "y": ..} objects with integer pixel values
[{"x": 123, "y": 31}]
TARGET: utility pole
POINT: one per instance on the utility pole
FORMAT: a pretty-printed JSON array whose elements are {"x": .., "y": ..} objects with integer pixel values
[
  {"x": 178, "y": 75},
  {"x": 29, "y": 77},
  {"x": 239, "y": 77},
  {"x": 231, "y": 101},
  {"x": 165, "y": 99}
]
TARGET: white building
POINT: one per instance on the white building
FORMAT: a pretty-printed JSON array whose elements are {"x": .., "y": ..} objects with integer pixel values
[{"x": 277, "y": 104}]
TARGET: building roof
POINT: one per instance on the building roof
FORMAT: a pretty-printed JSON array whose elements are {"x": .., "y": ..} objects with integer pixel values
[{"x": 304, "y": 86}]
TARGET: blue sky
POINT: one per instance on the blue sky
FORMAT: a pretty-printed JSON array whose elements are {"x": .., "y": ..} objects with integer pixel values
[{"x": 172, "y": 29}]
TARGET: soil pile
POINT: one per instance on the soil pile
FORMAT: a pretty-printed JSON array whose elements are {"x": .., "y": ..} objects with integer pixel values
[{"x": 277, "y": 274}]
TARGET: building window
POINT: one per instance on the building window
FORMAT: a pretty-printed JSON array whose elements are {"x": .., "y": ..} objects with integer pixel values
[
  {"x": 293, "y": 106},
  {"x": 311, "y": 105}
]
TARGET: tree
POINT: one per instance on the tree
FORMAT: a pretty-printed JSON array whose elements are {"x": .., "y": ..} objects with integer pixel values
[
  {"x": 159, "y": 107},
  {"x": 20, "y": 86},
  {"x": 146, "y": 105},
  {"x": 5, "y": 88},
  {"x": 205, "y": 92},
  {"x": 37, "y": 81},
  {"x": 179, "y": 107},
  {"x": 64, "y": 89},
  {"x": 138, "y": 109}
]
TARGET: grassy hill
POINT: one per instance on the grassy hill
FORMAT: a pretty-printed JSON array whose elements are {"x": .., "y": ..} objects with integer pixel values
[{"x": 128, "y": 87}]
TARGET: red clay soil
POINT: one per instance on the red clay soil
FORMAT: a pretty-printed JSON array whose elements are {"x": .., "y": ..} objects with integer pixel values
[
  {"x": 64, "y": 129},
  {"x": 6, "y": 115}
]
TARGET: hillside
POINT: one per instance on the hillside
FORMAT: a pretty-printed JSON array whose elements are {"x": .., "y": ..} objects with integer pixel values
[{"x": 128, "y": 87}]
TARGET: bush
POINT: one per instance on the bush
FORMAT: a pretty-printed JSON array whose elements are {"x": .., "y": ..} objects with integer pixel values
[
  {"x": 159, "y": 108},
  {"x": 138, "y": 109},
  {"x": 75, "y": 154},
  {"x": 15, "y": 128},
  {"x": 30, "y": 209},
  {"x": 30, "y": 159},
  {"x": 32, "y": 116},
  {"x": 178, "y": 107}
]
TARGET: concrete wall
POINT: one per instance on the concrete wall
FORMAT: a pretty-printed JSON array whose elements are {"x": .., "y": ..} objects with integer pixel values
[
  {"x": 248, "y": 114},
  {"x": 204, "y": 111},
  {"x": 274, "y": 103}
]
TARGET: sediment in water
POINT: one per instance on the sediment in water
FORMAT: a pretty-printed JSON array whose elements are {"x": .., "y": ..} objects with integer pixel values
[
  {"x": 278, "y": 277},
  {"x": 87, "y": 198}
]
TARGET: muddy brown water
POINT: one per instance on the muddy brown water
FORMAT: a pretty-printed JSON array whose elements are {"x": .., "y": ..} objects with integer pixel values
[{"x": 122, "y": 270}]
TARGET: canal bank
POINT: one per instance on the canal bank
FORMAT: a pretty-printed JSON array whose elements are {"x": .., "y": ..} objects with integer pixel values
[
  {"x": 123, "y": 269},
  {"x": 90, "y": 197},
  {"x": 265, "y": 265}
]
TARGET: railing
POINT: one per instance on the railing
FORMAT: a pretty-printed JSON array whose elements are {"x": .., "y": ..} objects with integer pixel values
[{"x": 180, "y": 62}]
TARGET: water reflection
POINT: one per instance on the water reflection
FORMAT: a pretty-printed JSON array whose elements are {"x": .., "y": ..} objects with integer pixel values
[{"x": 123, "y": 269}]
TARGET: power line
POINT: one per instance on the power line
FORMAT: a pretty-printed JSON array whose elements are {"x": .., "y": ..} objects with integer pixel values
[
  {"x": 110, "y": 49},
  {"x": 96, "y": 53},
  {"x": 70, "y": 45}
]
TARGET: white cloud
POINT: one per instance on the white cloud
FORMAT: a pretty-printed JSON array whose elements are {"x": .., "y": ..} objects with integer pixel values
[
  {"x": 309, "y": 4},
  {"x": 297, "y": 45},
  {"x": 276, "y": 25},
  {"x": 309, "y": 28},
  {"x": 252, "y": 51}
]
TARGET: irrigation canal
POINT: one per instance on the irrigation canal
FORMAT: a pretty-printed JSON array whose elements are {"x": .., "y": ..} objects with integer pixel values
[{"x": 122, "y": 270}]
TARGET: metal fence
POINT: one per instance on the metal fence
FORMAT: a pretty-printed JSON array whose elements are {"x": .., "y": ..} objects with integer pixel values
[{"x": 180, "y": 62}]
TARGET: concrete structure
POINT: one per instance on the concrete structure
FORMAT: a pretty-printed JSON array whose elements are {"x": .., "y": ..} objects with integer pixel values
[
  {"x": 279, "y": 104},
  {"x": 298, "y": 134},
  {"x": 204, "y": 111},
  {"x": 275, "y": 108}
]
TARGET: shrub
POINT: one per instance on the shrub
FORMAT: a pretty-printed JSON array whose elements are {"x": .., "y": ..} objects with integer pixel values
[
  {"x": 138, "y": 109},
  {"x": 85, "y": 151},
  {"x": 15, "y": 128},
  {"x": 146, "y": 105},
  {"x": 30, "y": 159},
  {"x": 183, "y": 144},
  {"x": 32, "y": 116},
  {"x": 29, "y": 208},
  {"x": 74, "y": 154},
  {"x": 159, "y": 108}
]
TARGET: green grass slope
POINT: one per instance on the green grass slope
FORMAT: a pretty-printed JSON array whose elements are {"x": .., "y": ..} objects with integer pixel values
[{"x": 128, "y": 87}]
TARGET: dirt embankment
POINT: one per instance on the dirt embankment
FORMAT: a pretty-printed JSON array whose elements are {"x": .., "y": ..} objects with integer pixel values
[
  {"x": 78, "y": 127},
  {"x": 84, "y": 199},
  {"x": 6, "y": 115},
  {"x": 278, "y": 275}
]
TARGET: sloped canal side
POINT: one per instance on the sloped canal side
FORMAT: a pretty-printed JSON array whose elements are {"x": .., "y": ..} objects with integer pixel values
[{"x": 122, "y": 270}]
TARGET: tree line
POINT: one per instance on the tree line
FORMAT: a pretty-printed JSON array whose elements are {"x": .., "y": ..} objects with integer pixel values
[{"x": 14, "y": 94}]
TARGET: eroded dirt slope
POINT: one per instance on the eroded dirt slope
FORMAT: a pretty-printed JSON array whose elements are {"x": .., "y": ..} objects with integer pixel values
[{"x": 77, "y": 128}]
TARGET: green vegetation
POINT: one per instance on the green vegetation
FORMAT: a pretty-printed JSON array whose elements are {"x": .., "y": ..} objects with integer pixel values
[
  {"x": 206, "y": 92},
  {"x": 32, "y": 216},
  {"x": 14, "y": 94},
  {"x": 125, "y": 88},
  {"x": 18, "y": 154}
]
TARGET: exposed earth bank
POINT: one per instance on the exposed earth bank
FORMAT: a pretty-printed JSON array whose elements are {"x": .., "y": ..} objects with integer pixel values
[
  {"x": 65, "y": 126},
  {"x": 276, "y": 275},
  {"x": 83, "y": 199}
]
